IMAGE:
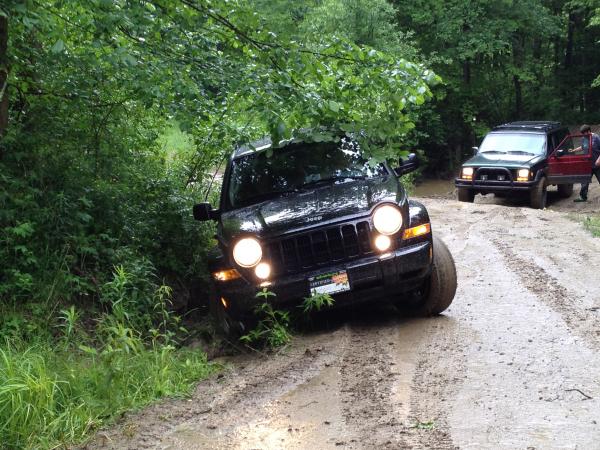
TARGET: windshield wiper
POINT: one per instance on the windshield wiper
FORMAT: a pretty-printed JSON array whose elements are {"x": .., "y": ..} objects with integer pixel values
[
  {"x": 334, "y": 179},
  {"x": 494, "y": 151},
  {"x": 520, "y": 152}
]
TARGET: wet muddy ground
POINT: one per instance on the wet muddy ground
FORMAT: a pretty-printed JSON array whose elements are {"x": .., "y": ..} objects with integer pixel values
[{"x": 513, "y": 363}]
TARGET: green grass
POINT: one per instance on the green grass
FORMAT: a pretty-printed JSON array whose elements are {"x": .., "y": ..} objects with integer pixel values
[
  {"x": 51, "y": 397},
  {"x": 63, "y": 374},
  {"x": 592, "y": 224}
]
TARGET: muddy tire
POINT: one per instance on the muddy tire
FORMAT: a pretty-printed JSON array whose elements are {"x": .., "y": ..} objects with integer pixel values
[
  {"x": 232, "y": 327},
  {"x": 565, "y": 190},
  {"x": 465, "y": 195},
  {"x": 538, "y": 195},
  {"x": 197, "y": 299},
  {"x": 438, "y": 291}
]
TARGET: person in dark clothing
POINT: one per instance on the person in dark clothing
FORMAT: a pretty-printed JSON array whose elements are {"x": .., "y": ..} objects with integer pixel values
[{"x": 586, "y": 130}]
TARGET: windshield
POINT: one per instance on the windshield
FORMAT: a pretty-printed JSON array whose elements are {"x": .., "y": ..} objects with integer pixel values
[
  {"x": 271, "y": 173},
  {"x": 530, "y": 143}
]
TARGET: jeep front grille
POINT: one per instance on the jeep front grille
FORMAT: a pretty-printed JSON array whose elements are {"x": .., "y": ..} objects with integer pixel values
[
  {"x": 306, "y": 251},
  {"x": 493, "y": 174}
]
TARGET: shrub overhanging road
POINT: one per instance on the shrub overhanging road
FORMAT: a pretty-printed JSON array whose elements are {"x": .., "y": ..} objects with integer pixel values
[{"x": 513, "y": 363}]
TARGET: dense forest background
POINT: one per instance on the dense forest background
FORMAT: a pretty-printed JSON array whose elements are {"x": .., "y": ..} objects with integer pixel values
[{"x": 114, "y": 114}]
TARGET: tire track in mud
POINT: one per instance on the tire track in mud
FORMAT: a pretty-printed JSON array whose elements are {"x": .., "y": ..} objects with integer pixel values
[
  {"x": 367, "y": 381},
  {"x": 226, "y": 400},
  {"x": 433, "y": 387},
  {"x": 369, "y": 378},
  {"x": 549, "y": 290},
  {"x": 439, "y": 371}
]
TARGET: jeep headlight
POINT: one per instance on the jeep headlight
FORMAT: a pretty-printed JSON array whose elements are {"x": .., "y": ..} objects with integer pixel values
[
  {"x": 387, "y": 219},
  {"x": 247, "y": 252},
  {"x": 523, "y": 175},
  {"x": 467, "y": 173}
]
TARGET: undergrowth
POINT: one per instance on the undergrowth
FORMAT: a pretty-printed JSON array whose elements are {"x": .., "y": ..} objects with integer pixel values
[
  {"x": 273, "y": 327},
  {"x": 592, "y": 224},
  {"x": 64, "y": 377}
]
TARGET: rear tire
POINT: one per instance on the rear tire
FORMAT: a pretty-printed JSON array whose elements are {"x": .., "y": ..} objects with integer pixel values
[
  {"x": 439, "y": 288},
  {"x": 465, "y": 195},
  {"x": 565, "y": 190},
  {"x": 539, "y": 195}
]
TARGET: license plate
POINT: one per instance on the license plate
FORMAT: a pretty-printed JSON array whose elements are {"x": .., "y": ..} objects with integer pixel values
[{"x": 329, "y": 283}]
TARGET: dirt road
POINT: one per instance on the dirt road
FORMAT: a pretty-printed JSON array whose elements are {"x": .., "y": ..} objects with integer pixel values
[{"x": 514, "y": 363}]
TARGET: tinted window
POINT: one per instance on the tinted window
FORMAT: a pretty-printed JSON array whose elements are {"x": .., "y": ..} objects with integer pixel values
[{"x": 258, "y": 176}]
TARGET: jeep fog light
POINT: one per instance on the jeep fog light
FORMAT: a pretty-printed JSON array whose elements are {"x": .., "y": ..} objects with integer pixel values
[
  {"x": 226, "y": 275},
  {"x": 382, "y": 242},
  {"x": 262, "y": 271},
  {"x": 387, "y": 219},
  {"x": 247, "y": 252},
  {"x": 523, "y": 175}
]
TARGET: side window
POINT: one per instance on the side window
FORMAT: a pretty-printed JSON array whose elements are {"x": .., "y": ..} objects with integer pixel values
[
  {"x": 557, "y": 138},
  {"x": 567, "y": 145}
]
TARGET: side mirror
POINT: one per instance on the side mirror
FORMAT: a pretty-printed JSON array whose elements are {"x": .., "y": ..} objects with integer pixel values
[
  {"x": 204, "y": 212},
  {"x": 406, "y": 166},
  {"x": 560, "y": 153},
  {"x": 475, "y": 150}
]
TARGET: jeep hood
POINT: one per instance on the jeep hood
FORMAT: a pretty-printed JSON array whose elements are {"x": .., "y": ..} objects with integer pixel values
[
  {"x": 510, "y": 161},
  {"x": 311, "y": 207}
]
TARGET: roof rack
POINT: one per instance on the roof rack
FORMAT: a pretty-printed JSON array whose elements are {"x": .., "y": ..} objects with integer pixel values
[{"x": 532, "y": 125}]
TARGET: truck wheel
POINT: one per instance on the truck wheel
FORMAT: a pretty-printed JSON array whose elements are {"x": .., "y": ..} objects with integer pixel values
[
  {"x": 466, "y": 195},
  {"x": 539, "y": 195},
  {"x": 232, "y": 327},
  {"x": 197, "y": 300},
  {"x": 565, "y": 190},
  {"x": 438, "y": 291}
]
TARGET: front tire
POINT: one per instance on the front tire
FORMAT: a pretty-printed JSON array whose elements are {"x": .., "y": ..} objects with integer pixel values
[
  {"x": 439, "y": 288},
  {"x": 539, "y": 195},
  {"x": 231, "y": 326},
  {"x": 565, "y": 190},
  {"x": 466, "y": 195}
]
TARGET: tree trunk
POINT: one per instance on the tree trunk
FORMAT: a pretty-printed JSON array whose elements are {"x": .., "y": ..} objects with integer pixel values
[
  {"x": 467, "y": 72},
  {"x": 569, "y": 45},
  {"x": 518, "y": 97},
  {"x": 3, "y": 75},
  {"x": 518, "y": 49}
]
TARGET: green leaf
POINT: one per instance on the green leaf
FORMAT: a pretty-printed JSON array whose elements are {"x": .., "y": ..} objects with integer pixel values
[
  {"x": 23, "y": 230},
  {"x": 88, "y": 350},
  {"x": 58, "y": 47},
  {"x": 128, "y": 59},
  {"x": 334, "y": 106}
]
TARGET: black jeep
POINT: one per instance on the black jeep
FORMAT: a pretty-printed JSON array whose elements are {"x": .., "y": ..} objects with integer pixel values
[
  {"x": 310, "y": 218},
  {"x": 525, "y": 158}
]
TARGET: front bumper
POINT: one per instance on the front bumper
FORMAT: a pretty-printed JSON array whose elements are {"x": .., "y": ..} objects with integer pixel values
[
  {"x": 488, "y": 186},
  {"x": 371, "y": 278}
]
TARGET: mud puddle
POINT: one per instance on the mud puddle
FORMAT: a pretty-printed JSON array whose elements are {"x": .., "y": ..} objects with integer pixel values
[{"x": 434, "y": 188}]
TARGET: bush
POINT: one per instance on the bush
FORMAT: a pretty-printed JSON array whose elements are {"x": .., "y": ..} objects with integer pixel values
[
  {"x": 50, "y": 397},
  {"x": 57, "y": 389}
]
